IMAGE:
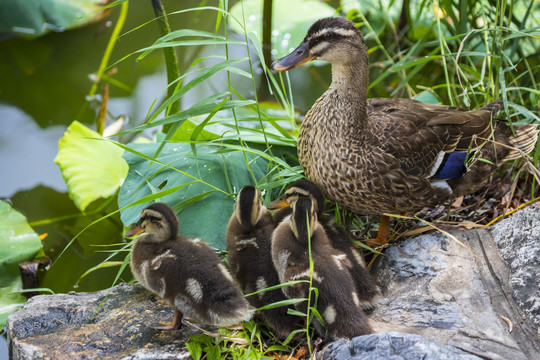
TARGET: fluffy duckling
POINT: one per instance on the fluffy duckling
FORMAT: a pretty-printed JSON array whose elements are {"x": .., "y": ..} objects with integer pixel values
[
  {"x": 338, "y": 300},
  {"x": 186, "y": 273},
  {"x": 366, "y": 288},
  {"x": 249, "y": 237}
]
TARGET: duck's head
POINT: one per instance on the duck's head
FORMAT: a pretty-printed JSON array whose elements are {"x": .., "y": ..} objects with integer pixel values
[
  {"x": 333, "y": 39},
  {"x": 157, "y": 220},
  {"x": 248, "y": 207},
  {"x": 300, "y": 189},
  {"x": 303, "y": 218}
]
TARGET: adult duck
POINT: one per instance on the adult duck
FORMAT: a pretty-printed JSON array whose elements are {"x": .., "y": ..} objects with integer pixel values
[{"x": 377, "y": 156}]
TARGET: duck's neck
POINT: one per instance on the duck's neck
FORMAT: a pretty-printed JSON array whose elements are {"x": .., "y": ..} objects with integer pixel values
[
  {"x": 300, "y": 227},
  {"x": 350, "y": 83}
]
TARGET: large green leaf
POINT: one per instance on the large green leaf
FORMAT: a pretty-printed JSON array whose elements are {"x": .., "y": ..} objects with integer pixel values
[
  {"x": 35, "y": 17},
  {"x": 288, "y": 31},
  {"x": 244, "y": 124},
  {"x": 18, "y": 243},
  {"x": 91, "y": 166},
  {"x": 204, "y": 207}
]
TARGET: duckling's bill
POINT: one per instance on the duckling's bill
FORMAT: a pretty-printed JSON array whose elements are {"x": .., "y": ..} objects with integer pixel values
[
  {"x": 278, "y": 204},
  {"x": 136, "y": 230},
  {"x": 299, "y": 56}
]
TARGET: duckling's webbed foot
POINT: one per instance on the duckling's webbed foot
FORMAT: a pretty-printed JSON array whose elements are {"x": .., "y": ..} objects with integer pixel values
[{"x": 175, "y": 325}]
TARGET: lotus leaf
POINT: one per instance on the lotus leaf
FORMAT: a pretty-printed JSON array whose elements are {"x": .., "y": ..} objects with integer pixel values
[
  {"x": 18, "y": 243},
  {"x": 91, "y": 166}
]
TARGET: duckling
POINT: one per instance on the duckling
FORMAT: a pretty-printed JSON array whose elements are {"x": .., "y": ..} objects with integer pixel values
[
  {"x": 366, "y": 288},
  {"x": 249, "y": 238},
  {"x": 186, "y": 273},
  {"x": 377, "y": 156},
  {"x": 338, "y": 300}
]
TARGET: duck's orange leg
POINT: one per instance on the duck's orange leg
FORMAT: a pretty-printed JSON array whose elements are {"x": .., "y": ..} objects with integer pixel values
[{"x": 383, "y": 235}]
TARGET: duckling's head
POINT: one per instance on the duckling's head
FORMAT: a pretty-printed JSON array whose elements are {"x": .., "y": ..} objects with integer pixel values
[
  {"x": 303, "y": 218},
  {"x": 248, "y": 207},
  {"x": 300, "y": 189},
  {"x": 158, "y": 220},
  {"x": 333, "y": 39}
]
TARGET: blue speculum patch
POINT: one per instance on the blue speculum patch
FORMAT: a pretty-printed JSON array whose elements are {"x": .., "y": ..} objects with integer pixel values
[{"x": 453, "y": 165}]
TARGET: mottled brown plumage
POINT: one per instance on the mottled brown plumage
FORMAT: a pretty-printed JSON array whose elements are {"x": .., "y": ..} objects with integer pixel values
[
  {"x": 376, "y": 156},
  {"x": 338, "y": 301},
  {"x": 185, "y": 273},
  {"x": 249, "y": 240}
]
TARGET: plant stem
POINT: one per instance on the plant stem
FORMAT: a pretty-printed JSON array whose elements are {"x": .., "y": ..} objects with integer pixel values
[
  {"x": 441, "y": 39},
  {"x": 73, "y": 216},
  {"x": 267, "y": 31},
  {"x": 107, "y": 55},
  {"x": 311, "y": 270},
  {"x": 266, "y": 47},
  {"x": 110, "y": 46},
  {"x": 171, "y": 61}
]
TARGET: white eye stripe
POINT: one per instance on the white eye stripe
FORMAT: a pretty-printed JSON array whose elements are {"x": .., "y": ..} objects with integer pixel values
[{"x": 319, "y": 48}]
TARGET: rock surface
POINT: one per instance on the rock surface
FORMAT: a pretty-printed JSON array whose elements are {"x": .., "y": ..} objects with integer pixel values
[
  {"x": 518, "y": 241},
  {"x": 433, "y": 286},
  {"x": 392, "y": 345},
  {"x": 70, "y": 326}
]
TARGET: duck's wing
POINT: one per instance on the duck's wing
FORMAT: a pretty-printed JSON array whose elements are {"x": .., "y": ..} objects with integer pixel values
[{"x": 428, "y": 139}]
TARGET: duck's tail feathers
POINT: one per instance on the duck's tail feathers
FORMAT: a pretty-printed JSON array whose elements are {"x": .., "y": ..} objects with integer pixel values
[
  {"x": 231, "y": 313},
  {"x": 234, "y": 317},
  {"x": 493, "y": 107},
  {"x": 524, "y": 141}
]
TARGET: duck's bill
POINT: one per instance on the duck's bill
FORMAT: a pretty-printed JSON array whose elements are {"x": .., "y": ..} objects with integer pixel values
[
  {"x": 299, "y": 56},
  {"x": 136, "y": 230},
  {"x": 278, "y": 204}
]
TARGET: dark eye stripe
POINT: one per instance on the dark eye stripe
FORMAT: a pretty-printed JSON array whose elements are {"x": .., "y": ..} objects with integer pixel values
[
  {"x": 151, "y": 218},
  {"x": 325, "y": 37}
]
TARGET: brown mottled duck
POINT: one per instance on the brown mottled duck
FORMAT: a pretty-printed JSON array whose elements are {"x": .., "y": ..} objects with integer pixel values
[{"x": 377, "y": 156}]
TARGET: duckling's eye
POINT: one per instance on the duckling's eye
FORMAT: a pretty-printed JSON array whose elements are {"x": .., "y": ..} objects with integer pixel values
[
  {"x": 329, "y": 34},
  {"x": 150, "y": 217}
]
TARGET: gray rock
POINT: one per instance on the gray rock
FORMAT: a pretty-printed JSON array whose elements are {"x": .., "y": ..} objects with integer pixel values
[
  {"x": 518, "y": 240},
  {"x": 392, "y": 346},
  {"x": 113, "y": 323},
  {"x": 433, "y": 286}
]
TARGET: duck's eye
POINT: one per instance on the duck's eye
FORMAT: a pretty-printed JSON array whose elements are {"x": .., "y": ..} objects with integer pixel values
[
  {"x": 150, "y": 217},
  {"x": 329, "y": 34}
]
